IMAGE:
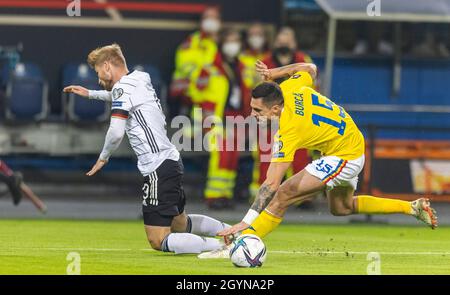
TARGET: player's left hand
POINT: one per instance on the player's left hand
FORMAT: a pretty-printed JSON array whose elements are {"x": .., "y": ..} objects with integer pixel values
[
  {"x": 99, "y": 165},
  {"x": 263, "y": 70},
  {"x": 232, "y": 230}
]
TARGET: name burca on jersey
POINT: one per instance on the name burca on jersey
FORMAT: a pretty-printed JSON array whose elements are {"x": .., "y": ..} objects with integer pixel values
[{"x": 312, "y": 121}]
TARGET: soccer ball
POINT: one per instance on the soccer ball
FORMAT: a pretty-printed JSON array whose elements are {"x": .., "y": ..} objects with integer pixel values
[{"x": 248, "y": 251}]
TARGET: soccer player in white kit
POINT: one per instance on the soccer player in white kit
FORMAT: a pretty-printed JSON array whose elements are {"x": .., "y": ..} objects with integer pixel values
[{"x": 136, "y": 111}]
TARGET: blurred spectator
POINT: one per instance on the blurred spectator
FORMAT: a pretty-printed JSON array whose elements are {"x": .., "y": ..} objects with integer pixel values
[
  {"x": 219, "y": 89},
  {"x": 257, "y": 48},
  {"x": 431, "y": 40},
  {"x": 198, "y": 50},
  {"x": 372, "y": 38},
  {"x": 285, "y": 50}
]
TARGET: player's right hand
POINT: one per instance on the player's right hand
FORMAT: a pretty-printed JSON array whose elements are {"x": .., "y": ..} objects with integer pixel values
[
  {"x": 78, "y": 90},
  {"x": 233, "y": 230},
  {"x": 97, "y": 167}
]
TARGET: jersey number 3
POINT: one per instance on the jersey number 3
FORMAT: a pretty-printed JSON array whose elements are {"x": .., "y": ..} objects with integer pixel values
[{"x": 329, "y": 106}]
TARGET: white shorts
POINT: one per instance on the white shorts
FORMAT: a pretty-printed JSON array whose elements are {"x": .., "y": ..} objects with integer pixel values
[{"x": 334, "y": 171}]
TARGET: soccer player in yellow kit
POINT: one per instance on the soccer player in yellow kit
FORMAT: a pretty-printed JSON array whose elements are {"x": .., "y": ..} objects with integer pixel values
[{"x": 310, "y": 120}]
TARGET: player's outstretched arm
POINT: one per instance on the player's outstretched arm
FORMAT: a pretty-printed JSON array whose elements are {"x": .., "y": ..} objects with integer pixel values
[
  {"x": 91, "y": 94},
  {"x": 285, "y": 71},
  {"x": 113, "y": 139},
  {"x": 78, "y": 90},
  {"x": 266, "y": 192}
]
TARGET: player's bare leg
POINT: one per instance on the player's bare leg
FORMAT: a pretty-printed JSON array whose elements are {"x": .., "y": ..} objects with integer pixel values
[
  {"x": 179, "y": 223},
  {"x": 342, "y": 202},
  {"x": 156, "y": 234},
  {"x": 298, "y": 188}
]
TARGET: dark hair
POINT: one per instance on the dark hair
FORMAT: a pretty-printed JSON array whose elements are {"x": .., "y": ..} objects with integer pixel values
[{"x": 270, "y": 93}]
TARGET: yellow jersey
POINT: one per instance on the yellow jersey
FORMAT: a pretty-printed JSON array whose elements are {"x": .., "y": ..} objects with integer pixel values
[{"x": 311, "y": 121}]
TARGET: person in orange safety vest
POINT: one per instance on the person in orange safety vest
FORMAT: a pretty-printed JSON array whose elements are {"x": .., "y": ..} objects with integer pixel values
[{"x": 198, "y": 50}]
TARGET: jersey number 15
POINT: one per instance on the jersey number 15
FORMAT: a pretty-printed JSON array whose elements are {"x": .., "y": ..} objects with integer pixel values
[{"x": 329, "y": 106}]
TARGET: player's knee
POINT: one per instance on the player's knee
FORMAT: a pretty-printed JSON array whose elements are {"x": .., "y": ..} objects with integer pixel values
[
  {"x": 340, "y": 211},
  {"x": 280, "y": 202},
  {"x": 277, "y": 204},
  {"x": 155, "y": 243},
  {"x": 285, "y": 194},
  {"x": 286, "y": 191},
  {"x": 179, "y": 224},
  {"x": 336, "y": 212}
]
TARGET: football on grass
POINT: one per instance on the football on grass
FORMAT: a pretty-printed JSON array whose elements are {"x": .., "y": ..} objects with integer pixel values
[{"x": 248, "y": 251}]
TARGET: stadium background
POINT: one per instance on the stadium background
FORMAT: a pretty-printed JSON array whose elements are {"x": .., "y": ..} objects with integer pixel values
[{"x": 400, "y": 100}]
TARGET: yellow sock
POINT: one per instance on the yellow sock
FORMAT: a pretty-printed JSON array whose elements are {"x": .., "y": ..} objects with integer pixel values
[
  {"x": 263, "y": 225},
  {"x": 373, "y": 205}
]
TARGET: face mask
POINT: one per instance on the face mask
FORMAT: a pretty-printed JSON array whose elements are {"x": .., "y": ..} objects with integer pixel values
[
  {"x": 256, "y": 42},
  {"x": 210, "y": 25},
  {"x": 283, "y": 50},
  {"x": 231, "y": 49}
]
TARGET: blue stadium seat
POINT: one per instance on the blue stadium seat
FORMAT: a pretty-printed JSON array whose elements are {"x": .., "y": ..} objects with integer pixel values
[
  {"x": 434, "y": 79},
  {"x": 26, "y": 94},
  {"x": 309, "y": 5},
  {"x": 353, "y": 80},
  {"x": 4, "y": 74},
  {"x": 369, "y": 81},
  {"x": 78, "y": 108},
  {"x": 72, "y": 71}
]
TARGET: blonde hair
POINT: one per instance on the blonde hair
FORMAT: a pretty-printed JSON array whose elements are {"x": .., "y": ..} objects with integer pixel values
[{"x": 111, "y": 53}]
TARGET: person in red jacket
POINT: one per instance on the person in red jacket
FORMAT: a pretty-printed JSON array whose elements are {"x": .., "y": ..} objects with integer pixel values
[{"x": 225, "y": 93}]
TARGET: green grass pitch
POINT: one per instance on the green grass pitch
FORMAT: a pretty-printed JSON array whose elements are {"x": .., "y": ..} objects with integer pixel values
[{"x": 120, "y": 247}]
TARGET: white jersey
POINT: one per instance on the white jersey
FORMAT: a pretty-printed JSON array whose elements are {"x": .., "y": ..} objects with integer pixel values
[{"x": 134, "y": 99}]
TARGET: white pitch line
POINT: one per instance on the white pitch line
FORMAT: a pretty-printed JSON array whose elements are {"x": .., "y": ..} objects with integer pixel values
[
  {"x": 275, "y": 251},
  {"x": 358, "y": 252},
  {"x": 69, "y": 249}
]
